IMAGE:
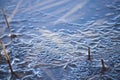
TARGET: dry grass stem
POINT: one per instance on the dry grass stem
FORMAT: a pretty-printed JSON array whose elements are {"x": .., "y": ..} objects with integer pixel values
[
  {"x": 103, "y": 66},
  {"x": 6, "y": 56},
  {"x": 0, "y": 55},
  {"x": 7, "y": 23},
  {"x": 89, "y": 56}
]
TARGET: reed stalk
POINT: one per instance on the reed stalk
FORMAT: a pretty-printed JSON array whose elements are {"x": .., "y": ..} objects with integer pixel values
[
  {"x": 89, "y": 55},
  {"x": 103, "y": 66},
  {"x": 0, "y": 55},
  {"x": 7, "y": 23},
  {"x": 6, "y": 56}
]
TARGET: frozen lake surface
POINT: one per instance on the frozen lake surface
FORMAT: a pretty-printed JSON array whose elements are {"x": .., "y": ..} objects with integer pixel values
[{"x": 54, "y": 36}]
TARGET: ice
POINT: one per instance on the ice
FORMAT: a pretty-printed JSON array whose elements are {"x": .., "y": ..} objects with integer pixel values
[{"x": 53, "y": 38}]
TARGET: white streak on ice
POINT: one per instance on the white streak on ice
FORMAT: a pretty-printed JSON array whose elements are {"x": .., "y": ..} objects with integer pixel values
[
  {"x": 38, "y": 5},
  {"x": 53, "y": 5},
  {"x": 74, "y": 9}
]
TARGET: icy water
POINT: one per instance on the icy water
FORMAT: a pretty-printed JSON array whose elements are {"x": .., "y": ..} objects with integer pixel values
[{"x": 54, "y": 36}]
